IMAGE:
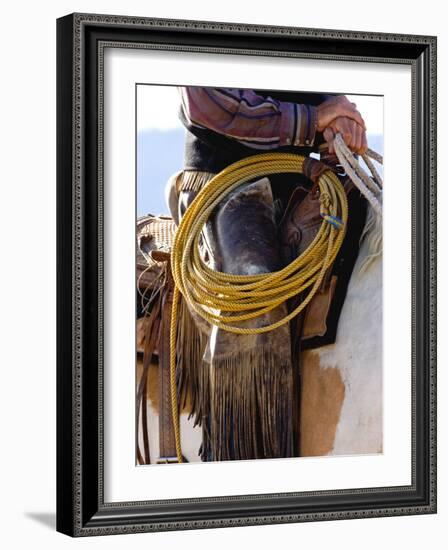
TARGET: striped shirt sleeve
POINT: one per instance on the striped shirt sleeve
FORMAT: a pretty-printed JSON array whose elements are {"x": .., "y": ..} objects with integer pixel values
[{"x": 253, "y": 120}]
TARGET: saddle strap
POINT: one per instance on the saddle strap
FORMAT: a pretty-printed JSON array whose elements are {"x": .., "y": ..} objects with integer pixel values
[{"x": 167, "y": 441}]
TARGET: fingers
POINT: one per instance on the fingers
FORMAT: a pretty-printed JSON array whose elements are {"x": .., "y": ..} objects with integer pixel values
[
  {"x": 329, "y": 137},
  {"x": 350, "y": 112},
  {"x": 352, "y": 133},
  {"x": 339, "y": 115},
  {"x": 349, "y": 132},
  {"x": 357, "y": 141},
  {"x": 359, "y": 144},
  {"x": 338, "y": 106},
  {"x": 364, "y": 145},
  {"x": 347, "y": 128}
]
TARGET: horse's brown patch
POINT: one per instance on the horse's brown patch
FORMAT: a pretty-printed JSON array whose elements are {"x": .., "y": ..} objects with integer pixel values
[
  {"x": 322, "y": 396},
  {"x": 152, "y": 387},
  {"x": 141, "y": 325}
]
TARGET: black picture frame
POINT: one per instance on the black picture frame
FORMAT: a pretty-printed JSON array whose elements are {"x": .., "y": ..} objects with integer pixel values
[{"x": 81, "y": 510}]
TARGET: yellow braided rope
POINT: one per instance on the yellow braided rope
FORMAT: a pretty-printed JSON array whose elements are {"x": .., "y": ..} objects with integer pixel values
[{"x": 224, "y": 299}]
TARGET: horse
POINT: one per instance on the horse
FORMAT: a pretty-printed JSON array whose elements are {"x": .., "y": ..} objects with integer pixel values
[
  {"x": 339, "y": 406},
  {"x": 341, "y": 383}
]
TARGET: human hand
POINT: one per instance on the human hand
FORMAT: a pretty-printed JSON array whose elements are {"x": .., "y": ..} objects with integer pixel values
[
  {"x": 336, "y": 107},
  {"x": 352, "y": 133}
]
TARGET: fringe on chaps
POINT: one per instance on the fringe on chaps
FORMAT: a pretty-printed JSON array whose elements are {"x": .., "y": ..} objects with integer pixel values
[{"x": 243, "y": 400}]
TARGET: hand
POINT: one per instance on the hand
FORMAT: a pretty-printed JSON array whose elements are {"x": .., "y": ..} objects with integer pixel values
[
  {"x": 335, "y": 107},
  {"x": 352, "y": 133}
]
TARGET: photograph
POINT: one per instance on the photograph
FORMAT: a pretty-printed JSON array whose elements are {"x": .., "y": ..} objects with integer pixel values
[
  {"x": 246, "y": 274},
  {"x": 273, "y": 347}
]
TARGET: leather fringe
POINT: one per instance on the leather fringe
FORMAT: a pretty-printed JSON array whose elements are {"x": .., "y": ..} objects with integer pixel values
[
  {"x": 193, "y": 180},
  {"x": 251, "y": 407},
  {"x": 243, "y": 400},
  {"x": 191, "y": 343}
]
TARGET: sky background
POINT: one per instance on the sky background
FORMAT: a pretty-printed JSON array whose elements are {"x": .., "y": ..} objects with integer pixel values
[{"x": 160, "y": 140}]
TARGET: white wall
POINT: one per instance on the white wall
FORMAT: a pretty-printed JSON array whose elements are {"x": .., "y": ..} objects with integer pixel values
[{"x": 27, "y": 229}]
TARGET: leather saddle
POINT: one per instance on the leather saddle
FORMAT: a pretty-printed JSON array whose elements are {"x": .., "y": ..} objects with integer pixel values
[{"x": 298, "y": 227}]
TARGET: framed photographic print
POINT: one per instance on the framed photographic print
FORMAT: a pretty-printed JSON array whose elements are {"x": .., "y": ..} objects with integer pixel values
[{"x": 246, "y": 274}]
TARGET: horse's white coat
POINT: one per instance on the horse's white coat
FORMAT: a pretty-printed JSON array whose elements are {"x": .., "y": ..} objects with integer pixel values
[
  {"x": 357, "y": 354},
  {"x": 190, "y": 437}
]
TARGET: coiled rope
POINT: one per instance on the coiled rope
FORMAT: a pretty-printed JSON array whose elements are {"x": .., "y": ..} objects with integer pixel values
[
  {"x": 225, "y": 299},
  {"x": 369, "y": 186}
]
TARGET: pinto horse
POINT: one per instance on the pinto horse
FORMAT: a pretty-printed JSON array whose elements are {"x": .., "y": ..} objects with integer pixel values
[{"x": 339, "y": 401}]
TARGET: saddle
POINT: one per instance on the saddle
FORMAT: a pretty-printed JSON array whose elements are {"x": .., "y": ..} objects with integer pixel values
[
  {"x": 154, "y": 300},
  {"x": 153, "y": 233},
  {"x": 155, "y": 287}
]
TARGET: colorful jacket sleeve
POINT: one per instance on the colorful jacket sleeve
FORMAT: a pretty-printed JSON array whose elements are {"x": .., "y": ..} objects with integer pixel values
[{"x": 251, "y": 119}]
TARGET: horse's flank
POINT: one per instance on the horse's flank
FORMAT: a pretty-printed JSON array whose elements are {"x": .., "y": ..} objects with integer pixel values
[{"x": 341, "y": 410}]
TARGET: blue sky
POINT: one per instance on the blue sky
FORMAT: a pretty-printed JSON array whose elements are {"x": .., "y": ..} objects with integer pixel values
[
  {"x": 160, "y": 140},
  {"x": 159, "y": 155}
]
